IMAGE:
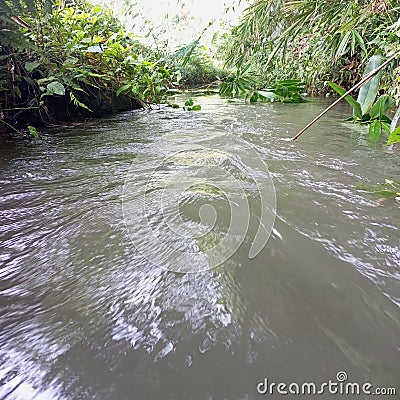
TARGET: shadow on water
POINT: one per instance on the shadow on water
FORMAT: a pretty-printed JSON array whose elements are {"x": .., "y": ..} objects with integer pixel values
[{"x": 83, "y": 315}]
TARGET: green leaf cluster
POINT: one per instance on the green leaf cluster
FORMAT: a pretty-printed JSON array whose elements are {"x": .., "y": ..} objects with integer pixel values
[
  {"x": 189, "y": 105},
  {"x": 237, "y": 84},
  {"x": 368, "y": 109},
  {"x": 74, "y": 49},
  {"x": 242, "y": 83},
  {"x": 285, "y": 91},
  {"x": 315, "y": 40},
  {"x": 389, "y": 188}
]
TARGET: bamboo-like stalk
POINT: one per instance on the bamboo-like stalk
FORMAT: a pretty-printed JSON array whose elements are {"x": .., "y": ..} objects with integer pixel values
[
  {"x": 20, "y": 108},
  {"x": 364, "y": 80},
  {"x": 9, "y": 126}
]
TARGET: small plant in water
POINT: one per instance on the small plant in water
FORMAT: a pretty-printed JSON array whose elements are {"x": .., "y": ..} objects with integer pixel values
[
  {"x": 286, "y": 91},
  {"x": 389, "y": 189},
  {"x": 32, "y": 130},
  {"x": 189, "y": 105}
]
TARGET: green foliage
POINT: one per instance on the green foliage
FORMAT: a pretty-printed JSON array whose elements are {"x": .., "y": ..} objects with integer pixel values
[
  {"x": 12, "y": 14},
  {"x": 144, "y": 79},
  {"x": 357, "y": 113},
  {"x": 394, "y": 136},
  {"x": 98, "y": 54},
  {"x": 375, "y": 116},
  {"x": 195, "y": 66},
  {"x": 238, "y": 84},
  {"x": 367, "y": 109},
  {"x": 32, "y": 130},
  {"x": 189, "y": 105},
  {"x": 368, "y": 92},
  {"x": 315, "y": 40},
  {"x": 389, "y": 188},
  {"x": 73, "y": 49},
  {"x": 243, "y": 83},
  {"x": 285, "y": 91}
]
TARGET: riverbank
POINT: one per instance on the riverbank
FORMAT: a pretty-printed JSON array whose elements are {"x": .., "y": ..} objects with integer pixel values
[
  {"x": 77, "y": 65},
  {"x": 58, "y": 109}
]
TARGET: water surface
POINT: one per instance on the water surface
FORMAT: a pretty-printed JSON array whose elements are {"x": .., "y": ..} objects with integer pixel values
[{"x": 84, "y": 315}]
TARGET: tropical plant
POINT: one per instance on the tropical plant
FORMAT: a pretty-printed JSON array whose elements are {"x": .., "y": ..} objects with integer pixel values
[
  {"x": 188, "y": 106},
  {"x": 32, "y": 130},
  {"x": 316, "y": 40},
  {"x": 195, "y": 65},
  {"x": 367, "y": 109},
  {"x": 239, "y": 83},
  {"x": 77, "y": 50},
  {"x": 388, "y": 189},
  {"x": 244, "y": 83},
  {"x": 285, "y": 91}
]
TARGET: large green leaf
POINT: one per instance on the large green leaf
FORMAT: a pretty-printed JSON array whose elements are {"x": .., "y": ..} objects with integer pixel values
[
  {"x": 375, "y": 129},
  {"x": 268, "y": 94},
  {"x": 386, "y": 127},
  {"x": 31, "y": 65},
  {"x": 292, "y": 83},
  {"x": 394, "y": 137},
  {"x": 353, "y": 103},
  {"x": 360, "y": 40},
  {"x": 381, "y": 106},
  {"x": 367, "y": 95},
  {"x": 395, "y": 119},
  {"x": 343, "y": 45},
  {"x": 55, "y": 88}
]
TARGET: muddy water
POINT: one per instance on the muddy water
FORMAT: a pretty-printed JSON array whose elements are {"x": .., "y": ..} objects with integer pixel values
[{"x": 85, "y": 315}]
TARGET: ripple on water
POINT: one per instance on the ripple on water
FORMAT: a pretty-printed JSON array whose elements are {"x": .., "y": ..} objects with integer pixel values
[{"x": 84, "y": 315}]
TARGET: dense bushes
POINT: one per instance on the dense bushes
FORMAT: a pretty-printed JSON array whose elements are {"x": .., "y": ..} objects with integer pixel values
[
  {"x": 76, "y": 52},
  {"x": 316, "y": 41},
  {"x": 195, "y": 66}
]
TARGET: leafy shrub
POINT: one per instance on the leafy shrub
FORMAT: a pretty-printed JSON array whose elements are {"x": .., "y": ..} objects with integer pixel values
[
  {"x": 196, "y": 66},
  {"x": 315, "y": 40},
  {"x": 76, "y": 50},
  {"x": 370, "y": 110}
]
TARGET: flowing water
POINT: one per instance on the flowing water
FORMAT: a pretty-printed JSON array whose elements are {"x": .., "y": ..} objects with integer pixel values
[{"x": 85, "y": 315}]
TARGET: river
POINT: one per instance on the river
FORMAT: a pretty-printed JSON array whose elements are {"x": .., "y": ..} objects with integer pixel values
[{"x": 101, "y": 299}]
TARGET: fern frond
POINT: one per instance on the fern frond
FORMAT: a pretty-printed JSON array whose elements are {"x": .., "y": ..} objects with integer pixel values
[{"x": 78, "y": 103}]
